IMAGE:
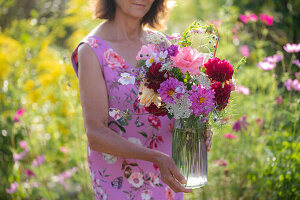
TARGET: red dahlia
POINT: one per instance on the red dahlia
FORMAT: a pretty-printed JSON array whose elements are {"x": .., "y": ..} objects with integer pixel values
[
  {"x": 221, "y": 94},
  {"x": 153, "y": 109},
  {"x": 155, "y": 77},
  {"x": 218, "y": 70}
]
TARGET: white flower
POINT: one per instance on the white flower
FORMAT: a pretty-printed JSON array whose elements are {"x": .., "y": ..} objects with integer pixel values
[
  {"x": 181, "y": 107},
  {"x": 152, "y": 58},
  {"x": 100, "y": 193},
  {"x": 155, "y": 37},
  {"x": 166, "y": 65},
  {"x": 180, "y": 90},
  {"x": 115, "y": 114},
  {"x": 110, "y": 159},
  {"x": 154, "y": 179},
  {"x": 135, "y": 140},
  {"x": 146, "y": 194},
  {"x": 203, "y": 80},
  {"x": 162, "y": 56},
  {"x": 126, "y": 79},
  {"x": 136, "y": 179}
]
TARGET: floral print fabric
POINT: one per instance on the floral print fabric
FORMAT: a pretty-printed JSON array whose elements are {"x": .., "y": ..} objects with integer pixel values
[{"x": 116, "y": 178}]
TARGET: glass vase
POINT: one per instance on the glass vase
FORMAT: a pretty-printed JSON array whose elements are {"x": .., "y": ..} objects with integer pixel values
[{"x": 189, "y": 150}]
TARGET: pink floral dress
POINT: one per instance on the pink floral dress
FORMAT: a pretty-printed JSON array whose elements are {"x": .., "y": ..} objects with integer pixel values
[{"x": 116, "y": 178}]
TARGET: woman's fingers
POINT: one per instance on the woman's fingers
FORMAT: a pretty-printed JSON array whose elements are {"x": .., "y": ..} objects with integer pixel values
[
  {"x": 175, "y": 185},
  {"x": 177, "y": 175}
]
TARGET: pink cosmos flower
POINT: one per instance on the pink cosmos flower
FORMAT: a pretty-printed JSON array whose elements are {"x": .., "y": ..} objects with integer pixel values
[
  {"x": 244, "y": 50},
  {"x": 266, "y": 65},
  {"x": 170, "y": 194},
  {"x": 13, "y": 188},
  {"x": 63, "y": 149},
  {"x": 202, "y": 100},
  {"x": 188, "y": 60},
  {"x": 248, "y": 18},
  {"x": 259, "y": 121},
  {"x": 292, "y": 84},
  {"x": 296, "y": 62},
  {"x": 19, "y": 156},
  {"x": 244, "y": 90},
  {"x": 266, "y": 19},
  {"x": 169, "y": 87},
  {"x": 18, "y": 114},
  {"x": 113, "y": 59},
  {"x": 38, "y": 161},
  {"x": 220, "y": 162},
  {"x": 174, "y": 36},
  {"x": 23, "y": 144},
  {"x": 274, "y": 59},
  {"x": 146, "y": 51},
  {"x": 292, "y": 48},
  {"x": 230, "y": 136}
]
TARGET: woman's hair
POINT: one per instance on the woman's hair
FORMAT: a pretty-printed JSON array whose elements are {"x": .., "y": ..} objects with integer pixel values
[{"x": 155, "y": 18}]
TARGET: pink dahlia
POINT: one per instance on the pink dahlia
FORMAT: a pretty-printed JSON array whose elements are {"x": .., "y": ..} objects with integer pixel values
[
  {"x": 202, "y": 100},
  {"x": 218, "y": 70},
  {"x": 222, "y": 94},
  {"x": 188, "y": 60},
  {"x": 168, "y": 88}
]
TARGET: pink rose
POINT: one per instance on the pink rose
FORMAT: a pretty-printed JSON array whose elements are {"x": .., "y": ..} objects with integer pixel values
[
  {"x": 188, "y": 59},
  {"x": 113, "y": 59}
]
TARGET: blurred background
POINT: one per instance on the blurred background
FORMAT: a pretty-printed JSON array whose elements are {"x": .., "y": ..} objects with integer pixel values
[{"x": 256, "y": 153}]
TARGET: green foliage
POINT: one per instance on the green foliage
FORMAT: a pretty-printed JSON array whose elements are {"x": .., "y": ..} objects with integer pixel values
[{"x": 36, "y": 41}]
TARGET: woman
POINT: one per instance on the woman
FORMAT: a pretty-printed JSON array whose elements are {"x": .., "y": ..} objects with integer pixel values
[{"x": 134, "y": 163}]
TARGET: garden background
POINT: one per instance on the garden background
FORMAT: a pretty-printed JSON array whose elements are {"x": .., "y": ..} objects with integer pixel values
[{"x": 42, "y": 140}]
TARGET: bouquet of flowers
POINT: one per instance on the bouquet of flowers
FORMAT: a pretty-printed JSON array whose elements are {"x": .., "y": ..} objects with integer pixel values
[{"x": 189, "y": 84}]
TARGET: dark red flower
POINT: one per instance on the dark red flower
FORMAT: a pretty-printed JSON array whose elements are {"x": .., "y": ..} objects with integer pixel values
[
  {"x": 222, "y": 94},
  {"x": 155, "y": 77},
  {"x": 153, "y": 109},
  {"x": 218, "y": 70}
]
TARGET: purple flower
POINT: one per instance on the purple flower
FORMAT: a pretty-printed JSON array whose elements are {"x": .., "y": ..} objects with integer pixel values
[
  {"x": 172, "y": 50},
  {"x": 202, "y": 100},
  {"x": 244, "y": 50},
  {"x": 168, "y": 88},
  {"x": 292, "y": 48},
  {"x": 20, "y": 156},
  {"x": 266, "y": 65},
  {"x": 174, "y": 36},
  {"x": 13, "y": 188},
  {"x": 38, "y": 161},
  {"x": 274, "y": 59},
  {"x": 296, "y": 62},
  {"x": 240, "y": 124}
]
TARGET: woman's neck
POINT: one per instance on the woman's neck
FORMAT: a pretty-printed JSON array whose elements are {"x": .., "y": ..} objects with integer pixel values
[{"x": 124, "y": 27}]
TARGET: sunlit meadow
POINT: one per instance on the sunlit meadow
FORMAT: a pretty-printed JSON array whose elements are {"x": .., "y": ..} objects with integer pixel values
[{"x": 255, "y": 150}]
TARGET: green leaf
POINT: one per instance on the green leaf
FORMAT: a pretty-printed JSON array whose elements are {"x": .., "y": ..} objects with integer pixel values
[
  {"x": 134, "y": 92},
  {"x": 170, "y": 116},
  {"x": 120, "y": 127},
  {"x": 143, "y": 134}
]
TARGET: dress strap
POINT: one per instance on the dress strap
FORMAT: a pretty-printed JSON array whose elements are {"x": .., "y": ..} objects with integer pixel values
[{"x": 97, "y": 48}]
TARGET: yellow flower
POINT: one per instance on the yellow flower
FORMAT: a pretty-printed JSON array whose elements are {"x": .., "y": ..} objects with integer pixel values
[{"x": 148, "y": 96}]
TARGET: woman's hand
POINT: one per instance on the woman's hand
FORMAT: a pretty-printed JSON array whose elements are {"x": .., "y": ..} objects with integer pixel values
[
  {"x": 170, "y": 174},
  {"x": 208, "y": 137}
]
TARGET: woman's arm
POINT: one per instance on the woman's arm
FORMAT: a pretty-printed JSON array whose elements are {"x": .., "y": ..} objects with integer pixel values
[{"x": 94, "y": 102}]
